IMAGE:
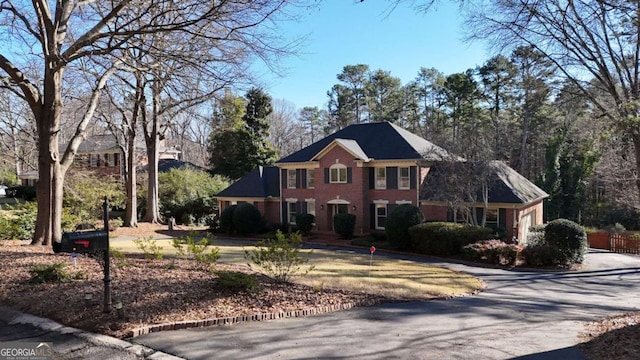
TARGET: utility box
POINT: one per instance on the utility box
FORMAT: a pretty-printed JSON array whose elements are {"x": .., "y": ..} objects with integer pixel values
[{"x": 82, "y": 242}]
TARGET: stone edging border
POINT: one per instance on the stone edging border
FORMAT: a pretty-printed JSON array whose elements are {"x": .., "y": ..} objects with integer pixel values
[{"x": 250, "y": 318}]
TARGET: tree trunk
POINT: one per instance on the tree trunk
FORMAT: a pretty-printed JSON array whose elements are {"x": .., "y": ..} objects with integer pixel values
[
  {"x": 152, "y": 214},
  {"x": 48, "y": 219},
  {"x": 131, "y": 215}
]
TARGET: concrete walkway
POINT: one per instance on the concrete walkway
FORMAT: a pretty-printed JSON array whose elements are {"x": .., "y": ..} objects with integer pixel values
[{"x": 521, "y": 314}]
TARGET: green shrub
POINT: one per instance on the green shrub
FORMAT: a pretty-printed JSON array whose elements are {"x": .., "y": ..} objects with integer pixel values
[
  {"x": 46, "y": 273},
  {"x": 376, "y": 238},
  {"x": 304, "y": 222},
  {"x": 84, "y": 194},
  {"x": 495, "y": 252},
  {"x": 344, "y": 225},
  {"x": 226, "y": 219},
  {"x": 536, "y": 235},
  {"x": 197, "y": 250},
  {"x": 150, "y": 248},
  {"x": 540, "y": 255},
  {"x": 280, "y": 257},
  {"x": 18, "y": 222},
  {"x": 246, "y": 219},
  {"x": 568, "y": 238},
  {"x": 236, "y": 281},
  {"x": 27, "y": 193},
  {"x": 445, "y": 239},
  {"x": 186, "y": 194},
  {"x": 398, "y": 223},
  {"x": 628, "y": 217}
]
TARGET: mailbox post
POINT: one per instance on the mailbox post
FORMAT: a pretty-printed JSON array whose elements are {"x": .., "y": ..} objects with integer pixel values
[
  {"x": 107, "y": 276},
  {"x": 85, "y": 242}
]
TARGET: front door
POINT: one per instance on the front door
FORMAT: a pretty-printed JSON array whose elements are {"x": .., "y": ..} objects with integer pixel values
[{"x": 337, "y": 209}]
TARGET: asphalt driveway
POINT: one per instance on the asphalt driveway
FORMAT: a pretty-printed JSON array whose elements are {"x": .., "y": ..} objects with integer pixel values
[{"x": 521, "y": 314}]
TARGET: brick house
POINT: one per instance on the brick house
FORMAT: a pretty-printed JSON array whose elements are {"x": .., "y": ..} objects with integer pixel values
[
  {"x": 366, "y": 170},
  {"x": 101, "y": 155}
]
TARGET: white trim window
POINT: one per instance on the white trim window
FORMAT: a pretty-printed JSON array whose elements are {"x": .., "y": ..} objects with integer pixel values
[
  {"x": 404, "y": 178},
  {"x": 292, "y": 210},
  {"x": 338, "y": 174},
  {"x": 311, "y": 178},
  {"x": 492, "y": 219},
  {"x": 381, "y": 216},
  {"x": 291, "y": 178},
  {"x": 311, "y": 207},
  {"x": 381, "y": 178}
]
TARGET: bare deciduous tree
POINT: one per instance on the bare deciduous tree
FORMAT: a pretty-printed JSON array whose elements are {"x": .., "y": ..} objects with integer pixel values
[{"x": 58, "y": 35}]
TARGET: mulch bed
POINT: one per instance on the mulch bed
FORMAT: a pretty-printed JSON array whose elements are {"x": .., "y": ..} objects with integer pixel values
[{"x": 152, "y": 292}]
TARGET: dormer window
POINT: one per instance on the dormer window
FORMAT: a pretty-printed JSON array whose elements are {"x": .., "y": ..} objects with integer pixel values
[{"x": 338, "y": 174}]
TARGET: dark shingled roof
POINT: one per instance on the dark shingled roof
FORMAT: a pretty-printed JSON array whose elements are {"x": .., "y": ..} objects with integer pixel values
[
  {"x": 165, "y": 165},
  {"x": 262, "y": 182},
  {"x": 505, "y": 184},
  {"x": 379, "y": 141}
]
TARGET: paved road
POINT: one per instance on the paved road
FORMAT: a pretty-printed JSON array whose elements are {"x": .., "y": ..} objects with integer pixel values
[{"x": 524, "y": 315}]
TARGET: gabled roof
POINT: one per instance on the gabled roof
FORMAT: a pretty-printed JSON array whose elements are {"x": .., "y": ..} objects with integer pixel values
[
  {"x": 505, "y": 185},
  {"x": 378, "y": 141},
  {"x": 350, "y": 145},
  {"x": 262, "y": 182}
]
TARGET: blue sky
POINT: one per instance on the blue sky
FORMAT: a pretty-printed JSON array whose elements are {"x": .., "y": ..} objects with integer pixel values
[{"x": 341, "y": 32}]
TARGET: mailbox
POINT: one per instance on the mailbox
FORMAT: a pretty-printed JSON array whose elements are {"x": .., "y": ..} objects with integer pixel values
[{"x": 82, "y": 242}]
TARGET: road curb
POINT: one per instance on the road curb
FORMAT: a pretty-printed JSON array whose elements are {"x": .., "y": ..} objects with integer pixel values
[{"x": 14, "y": 317}]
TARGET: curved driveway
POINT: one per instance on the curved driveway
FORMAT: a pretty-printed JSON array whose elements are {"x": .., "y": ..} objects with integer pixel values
[{"x": 523, "y": 314}]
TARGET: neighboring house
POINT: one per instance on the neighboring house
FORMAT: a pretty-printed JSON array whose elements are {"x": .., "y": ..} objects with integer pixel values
[
  {"x": 366, "y": 170},
  {"x": 101, "y": 155}
]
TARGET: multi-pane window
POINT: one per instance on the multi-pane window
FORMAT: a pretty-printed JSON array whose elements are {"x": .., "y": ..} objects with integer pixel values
[
  {"x": 381, "y": 216},
  {"x": 338, "y": 174},
  {"x": 291, "y": 178},
  {"x": 492, "y": 218},
  {"x": 381, "y": 178},
  {"x": 93, "y": 160},
  {"x": 311, "y": 207},
  {"x": 403, "y": 178},
  {"x": 291, "y": 212},
  {"x": 311, "y": 178}
]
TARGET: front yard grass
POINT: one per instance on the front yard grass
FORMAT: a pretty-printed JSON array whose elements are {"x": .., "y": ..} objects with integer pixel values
[{"x": 346, "y": 270}]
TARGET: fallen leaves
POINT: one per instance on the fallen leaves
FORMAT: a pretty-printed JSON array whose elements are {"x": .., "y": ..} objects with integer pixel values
[
  {"x": 616, "y": 337},
  {"x": 152, "y": 292}
]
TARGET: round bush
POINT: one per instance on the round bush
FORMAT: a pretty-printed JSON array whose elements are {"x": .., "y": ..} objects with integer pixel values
[
  {"x": 344, "y": 224},
  {"x": 226, "y": 219},
  {"x": 568, "y": 238},
  {"x": 398, "y": 223},
  {"x": 246, "y": 219},
  {"x": 304, "y": 222}
]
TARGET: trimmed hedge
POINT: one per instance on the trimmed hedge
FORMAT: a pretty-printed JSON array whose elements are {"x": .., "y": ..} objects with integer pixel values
[
  {"x": 495, "y": 252},
  {"x": 226, "y": 219},
  {"x": 304, "y": 223},
  {"x": 246, "y": 219},
  {"x": 398, "y": 223},
  {"x": 344, "y": 224},
  {"x": 540, "y": 255},
  {"x": 568, "y": 238},
  {"x": 445, "y": 239}
]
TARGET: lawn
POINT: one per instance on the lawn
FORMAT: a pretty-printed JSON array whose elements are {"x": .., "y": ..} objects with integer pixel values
[
  {"x": 346, "y": 270},
  {"x": 178, "y": 291}
]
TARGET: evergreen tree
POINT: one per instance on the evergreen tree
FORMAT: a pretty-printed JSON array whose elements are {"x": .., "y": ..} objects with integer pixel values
[{"x": 237, "y": 151}]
